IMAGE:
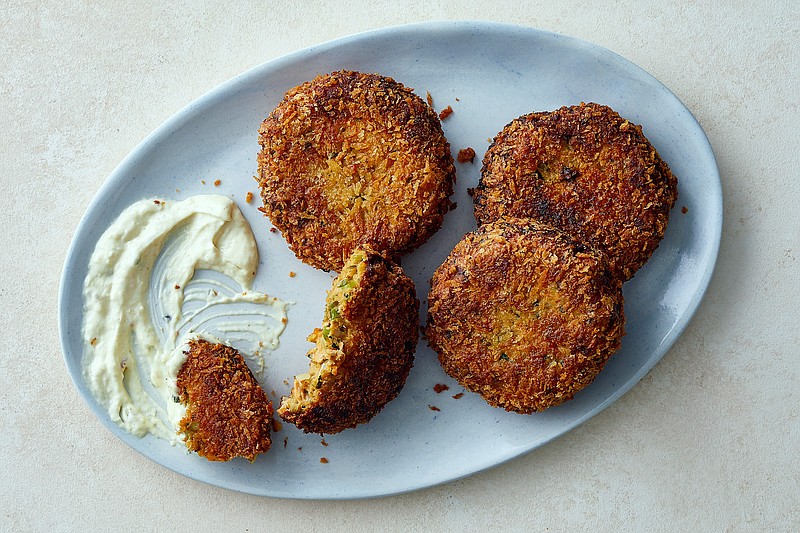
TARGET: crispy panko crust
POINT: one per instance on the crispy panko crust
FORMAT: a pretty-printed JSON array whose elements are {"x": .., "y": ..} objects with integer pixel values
[
  {"x": 585, "y": 170},
  {"x": 227, "y": 413},
  {"x": 350, "y": 159},
  {"x": 364, "y": 351},
  {"x": 523, "y": 314}
]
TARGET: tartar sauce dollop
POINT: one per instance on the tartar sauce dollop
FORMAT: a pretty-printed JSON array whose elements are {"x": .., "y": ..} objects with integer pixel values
[{"x": 141, "y": 303}]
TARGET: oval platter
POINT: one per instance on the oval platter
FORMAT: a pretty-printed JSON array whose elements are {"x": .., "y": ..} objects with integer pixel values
[{"x": 490, "y": 74}]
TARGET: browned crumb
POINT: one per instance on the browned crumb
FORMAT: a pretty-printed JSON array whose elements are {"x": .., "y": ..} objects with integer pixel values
[
  {"x": 299, "y": 448},
  {"x": 203, "y": 182},
  {"x": 177, "y": 286},
  {"x": 471, "y": 191},
  {"x": 227, "y": 413},
  {"x": 446, "y": 112},
  {"x": 466, "y": 155},
  {"x": 285, "y": 441},
  {"x": 273, "y": 230},
  {"x": 684, "y": 210},
  {"x": 248, "y": 197},
  {"x": 292, "y": 273},
  {"x": 93, "y": 341},
  {"x": 457, "y": 100},
  {"x": 458, "y": 396},
  {"x": 217, "y": 183},
  {"x": 157, "y": 202},
  {"x": 284, "y": 320},
  {"x": 433, "y": 408},
  {"x": 323, "y": 442},
  {"x": 276, "y": 425},
  {"x": 440, "y": 387},
  {"x": 429, "y": 98},
  {"x": 323, "y": 460}
]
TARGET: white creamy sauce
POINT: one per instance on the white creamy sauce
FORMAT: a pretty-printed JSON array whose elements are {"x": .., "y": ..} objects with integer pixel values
[{"x": 165, "y": 272}]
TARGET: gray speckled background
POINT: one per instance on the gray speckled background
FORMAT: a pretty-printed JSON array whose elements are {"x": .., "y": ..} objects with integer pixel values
[{"x": 709, "y": 440}]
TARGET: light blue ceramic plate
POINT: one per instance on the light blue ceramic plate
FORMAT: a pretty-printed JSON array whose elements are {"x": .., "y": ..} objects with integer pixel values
[{"x": 489, "y": 74}]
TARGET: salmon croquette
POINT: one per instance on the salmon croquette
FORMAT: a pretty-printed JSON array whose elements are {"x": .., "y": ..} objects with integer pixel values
[
  {"x": 227, "y": 413},
  {"x": 350, "y": 159},
  {"x": 524, "y": 314},
  {"x": 364, "y": 351},
  {"x": 585, "y": 170}
]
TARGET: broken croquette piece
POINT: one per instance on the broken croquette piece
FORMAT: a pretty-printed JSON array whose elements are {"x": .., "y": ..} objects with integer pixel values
[
  {"x": 227, "y": 413},
  {"x": 364, "y": 351}
]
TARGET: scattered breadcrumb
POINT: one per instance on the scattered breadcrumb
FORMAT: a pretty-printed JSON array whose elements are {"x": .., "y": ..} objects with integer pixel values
[
  {"x": 471, "y": 191},
  {"x": 440, "y": 387},
  {"x": 177, "y": 286},
  {"x": 203, "y": 182},
  {"x": 466, "y": 155},
  {"x": 273, "y": 230},
  {"x": 299, "y": 448},
  {"x": 323, "y": 460},
  {"x": 429, "y": 98},
  {"x": 292, "y": 273},
  {"x": 458, "y": 396},
  {"x": 93, "y": 341},
  {"x": 457, "y": 100},
  {"x": 684, "y": 210},
  {"x": 157, "y": 202},
  {"x": 446, "y": 112},
  {"x": 217, "y": 183},
  {"x": 249, "y": 197},
  {"x": 433, "y": 408},
  {"x": 285, "y": 441},
  {"x": 276, "y": 425}
]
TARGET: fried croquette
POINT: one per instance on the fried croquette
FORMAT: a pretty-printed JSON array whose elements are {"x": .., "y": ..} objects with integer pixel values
[
  {"x": 350, "y": 159},
  {"x": 227, "y": 413},
  {"x": 524, "y": 314},
  {"x": 364, "y": 351},
  {"x": 585, "y": 170}
]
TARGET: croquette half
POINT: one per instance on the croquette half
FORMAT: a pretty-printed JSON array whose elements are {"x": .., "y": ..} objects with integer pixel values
[
  {"x": 227, "y": 413},
  {"x": 585, "y": 170},
  {"x": 349, "y": 159},
  {"x": 524, "y": 314},
  {"x": 364, "y": 351}
]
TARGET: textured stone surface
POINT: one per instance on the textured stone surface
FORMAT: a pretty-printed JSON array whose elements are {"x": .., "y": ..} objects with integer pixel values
[{"x": 709, "y": 440}]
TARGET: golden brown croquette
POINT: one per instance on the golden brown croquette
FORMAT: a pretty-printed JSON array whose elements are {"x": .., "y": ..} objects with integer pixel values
[
  {"x": 523, "y": 314},
  {"x": 350, "y": 159},
  {"x": 585, "y": 170}
]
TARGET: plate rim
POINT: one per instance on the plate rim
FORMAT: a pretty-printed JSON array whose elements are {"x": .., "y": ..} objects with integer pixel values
[{"x": 222, "y": 91}]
